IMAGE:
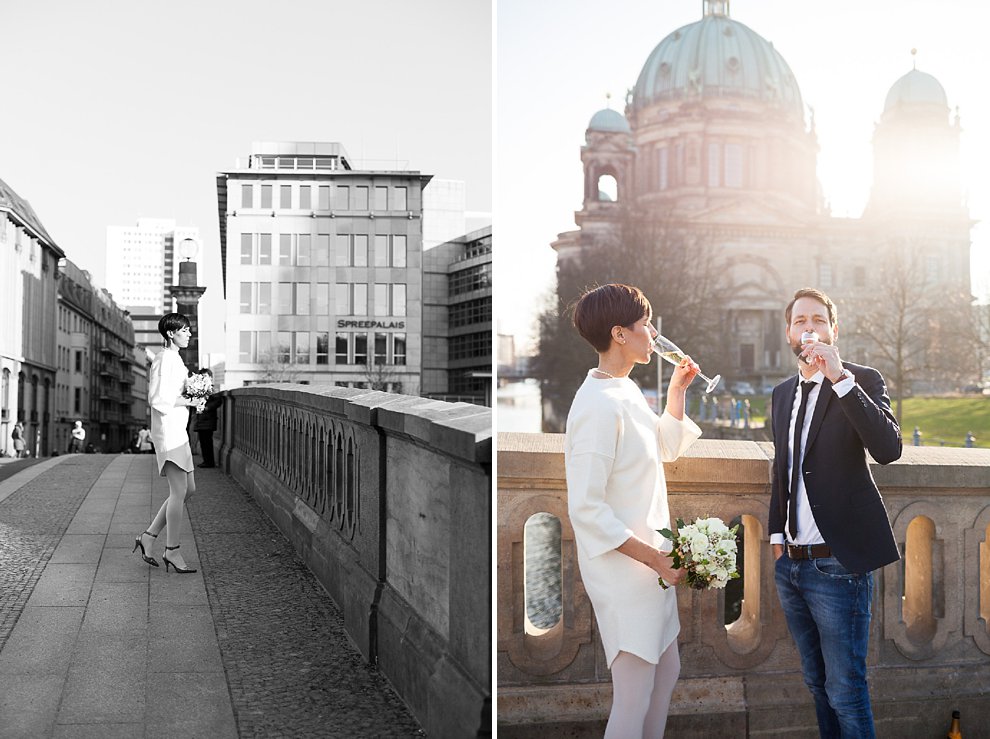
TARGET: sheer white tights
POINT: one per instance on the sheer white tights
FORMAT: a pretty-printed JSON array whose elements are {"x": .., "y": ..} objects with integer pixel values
[{"x": 641, "y": 695}]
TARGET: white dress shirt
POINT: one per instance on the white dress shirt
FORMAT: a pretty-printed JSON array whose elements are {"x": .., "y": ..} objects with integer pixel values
[{"x": 807, "y": 528}]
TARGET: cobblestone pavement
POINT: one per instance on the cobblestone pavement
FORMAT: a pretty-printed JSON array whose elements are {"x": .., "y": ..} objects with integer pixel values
[
  {"x": 291, "y": 668},
  {"x": 32, "y": 522}
]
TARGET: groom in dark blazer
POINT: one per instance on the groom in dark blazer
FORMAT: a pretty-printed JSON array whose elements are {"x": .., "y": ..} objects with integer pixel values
[{"x": 828, "y": 525}]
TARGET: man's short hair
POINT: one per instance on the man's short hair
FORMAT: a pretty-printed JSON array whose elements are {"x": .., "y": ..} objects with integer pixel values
[
  {"x": 603, "y": 307},
  {"x": 811, "y": 292}
]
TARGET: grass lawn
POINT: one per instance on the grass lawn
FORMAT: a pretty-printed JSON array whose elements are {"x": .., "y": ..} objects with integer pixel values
[{"x": 939, "y": 418}]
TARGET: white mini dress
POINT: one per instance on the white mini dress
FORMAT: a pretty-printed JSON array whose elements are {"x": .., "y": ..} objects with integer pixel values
[
  {"x": 169, "y": 421},
  {"x": 613, "y": 452}
]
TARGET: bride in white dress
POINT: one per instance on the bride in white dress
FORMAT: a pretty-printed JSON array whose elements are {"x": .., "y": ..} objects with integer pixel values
[
  {"x": 169, "y": 421},
  {"x": 617, "y": 499}
]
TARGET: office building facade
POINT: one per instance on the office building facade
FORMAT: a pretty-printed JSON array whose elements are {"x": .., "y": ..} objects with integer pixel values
[{"x": 322, "y": 269}]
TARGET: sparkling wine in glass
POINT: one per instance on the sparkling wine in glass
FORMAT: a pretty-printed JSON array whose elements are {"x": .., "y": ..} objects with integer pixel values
[
  {"x": 806, "y": 338},
  {"x": 673, "y": 354}
]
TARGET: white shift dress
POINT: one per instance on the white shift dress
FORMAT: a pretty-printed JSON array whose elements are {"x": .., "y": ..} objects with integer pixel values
[
  {"x": 168, "y": 420},
  {"x": 613, "y": 452}
]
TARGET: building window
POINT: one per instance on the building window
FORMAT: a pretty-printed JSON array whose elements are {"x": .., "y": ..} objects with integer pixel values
[
  {"x": 79, "y": 362},
  {"x": 303, "y": 250},
  {"x": 247, "y": 196},
  {"x": 302, "y": 298},
  {"x": 360, "y": 249},
  {"x": 713, "y": 165},
  {"x": 285, "y": 249},
  {"x": 264, "y": 249},
  {"x": 360, "y": 348},
  {"x": 825, "y": 275},
  {"x": 390, "y": 300},
  {"x": 247, "y": 248},
  {"x": 322, "y": 298},
  {"x": 470, "y": 346},
  {"x": 342, "y": 250},
  {"x": 5, "y": 396},
  {"x": 662, "y": 164},
  {"x": 285, "y": 197},
  {"x": 470, "y": 312},
  {"x": 302, "y": 347},
  {"x": 399, "y": 299},
  {"x": 399, "y": 198},
  {"x": 245, "y": 354},
  {"x": 284, "y": 347},
  {"x": 246, "y": 302},
  {"x": 77, "y": 401},
  {"x": 266, "y": 197},
  {"x": 341, "y": 199},
  {"x": 398, "y": 349},
  {"x": 322, "y": 256},
  {"x": 398, "y": 251},
  {"x": 285, "y": 298},
  {"x": 323, "y": 198},
  {"x": 323, "y": 348},
  {"x": 264, "y": 341},
  {"x": 341, "y": 350},
  {"x": 478, "y": 277},
  {"x": 381, "y": 250},
  {"x": 305, "y": 197},
  {"x": 360, "y": 198},
  {"x": 381, "y": 198},
  {"x": 733, "y": 165},
  {"x": 381, "y": 348}
]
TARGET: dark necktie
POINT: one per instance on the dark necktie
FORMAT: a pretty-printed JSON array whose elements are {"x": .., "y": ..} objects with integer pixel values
[{"x": 796, "y": 460}]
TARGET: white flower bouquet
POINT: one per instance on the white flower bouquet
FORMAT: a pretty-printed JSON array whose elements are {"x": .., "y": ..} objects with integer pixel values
[
  {"x": 706, "y": 549},
  {"x": 198, "y": 387}
]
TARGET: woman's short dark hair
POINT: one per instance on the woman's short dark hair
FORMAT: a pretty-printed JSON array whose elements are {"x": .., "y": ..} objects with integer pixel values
[
  {"x": 172, "y": 322},
  {"x": 603, "y": 307}
]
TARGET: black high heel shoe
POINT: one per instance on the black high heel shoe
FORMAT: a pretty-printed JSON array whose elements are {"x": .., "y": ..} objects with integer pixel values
[
  {"x": 175, "y": 567},
  {"x": 138, "y": 543}
]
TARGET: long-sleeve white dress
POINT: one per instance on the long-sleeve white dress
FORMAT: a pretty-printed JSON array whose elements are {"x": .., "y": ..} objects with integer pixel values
[
  {"x": 613, "y": 451},
  {"x": 168, "y": 420}
]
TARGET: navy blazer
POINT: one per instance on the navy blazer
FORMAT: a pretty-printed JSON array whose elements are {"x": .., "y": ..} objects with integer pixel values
[{"x": 844, "y": 498}]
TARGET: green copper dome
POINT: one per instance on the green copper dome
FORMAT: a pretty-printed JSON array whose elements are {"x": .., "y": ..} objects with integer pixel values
[
  {"x": 609, "y": 120},
  {"x": 916, "y": 88},
  {"x": 718, "y": 57}
]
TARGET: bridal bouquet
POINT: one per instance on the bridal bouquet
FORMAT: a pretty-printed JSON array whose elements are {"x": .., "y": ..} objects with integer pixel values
[
  {"x": 706, "y": 549},
  {"x": 198, "y": 387}
]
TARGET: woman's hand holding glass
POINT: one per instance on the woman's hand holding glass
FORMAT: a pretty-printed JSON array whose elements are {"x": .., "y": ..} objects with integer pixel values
[{"x": 685, "y": 371}]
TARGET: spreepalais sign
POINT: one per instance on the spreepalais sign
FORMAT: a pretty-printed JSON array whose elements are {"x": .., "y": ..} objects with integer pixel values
[{"x": 343, "y": 323}]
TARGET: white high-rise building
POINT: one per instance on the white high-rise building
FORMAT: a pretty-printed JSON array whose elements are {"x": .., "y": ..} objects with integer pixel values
[
  {"x": 141, "y": 266},
  {"x": 443, "y": 211}
]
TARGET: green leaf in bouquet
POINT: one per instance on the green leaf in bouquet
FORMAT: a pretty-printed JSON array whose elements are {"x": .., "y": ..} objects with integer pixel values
[
  {"x": 666, "y": 533},
  {"x": 680, "y": 523}
]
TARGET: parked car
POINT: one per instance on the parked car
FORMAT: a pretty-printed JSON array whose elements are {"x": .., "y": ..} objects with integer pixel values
[{"x": 743, "y": 388}]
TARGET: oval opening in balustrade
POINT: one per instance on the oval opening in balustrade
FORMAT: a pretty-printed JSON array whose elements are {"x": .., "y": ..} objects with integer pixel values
[
  {"x": 985, "y": 579},
  {"x": 923, "y": 600},
  {"x": 742, "y": 596},
  {"x": 542, "y": 573}
]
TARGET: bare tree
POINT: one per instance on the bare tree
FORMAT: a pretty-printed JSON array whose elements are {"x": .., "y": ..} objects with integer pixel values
[
  {"x": 675, "y": 264},
  {"x": 380, "y": 376},
  {"x": 271, "y": 370}
]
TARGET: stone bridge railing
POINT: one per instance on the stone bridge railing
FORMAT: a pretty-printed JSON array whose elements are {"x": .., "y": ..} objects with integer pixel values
[
  {"x": 387, "y": 499},
  {"x": 929, "y": 647}
]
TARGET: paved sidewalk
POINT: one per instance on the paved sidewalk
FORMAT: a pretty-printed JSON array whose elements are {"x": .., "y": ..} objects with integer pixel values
[{"x": 103, "y": 645}]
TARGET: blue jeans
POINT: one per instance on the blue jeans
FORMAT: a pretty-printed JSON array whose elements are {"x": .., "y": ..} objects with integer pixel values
[{"x": 828, "y": 614}]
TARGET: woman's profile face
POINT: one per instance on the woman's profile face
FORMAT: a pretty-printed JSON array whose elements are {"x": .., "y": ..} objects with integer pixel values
[
  {"x": 181, "y": 337},
  {"x": 636, "y": 340}
]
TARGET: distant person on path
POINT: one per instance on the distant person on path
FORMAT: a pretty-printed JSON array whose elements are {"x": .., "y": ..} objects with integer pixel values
[
  {"x": 617, "y": 499},
  {"x": 206, "y": 423},
  {"x": 828, "y": 525},
  {"x": 144, "y": 441},
  {"x": 169, "y": 418},
  {"x": 17, "y": 436},
  {"x": 78, "y": 437}
]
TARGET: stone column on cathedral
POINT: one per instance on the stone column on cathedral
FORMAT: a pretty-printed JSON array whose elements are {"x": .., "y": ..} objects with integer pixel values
[{"x": 187, "y": 294}]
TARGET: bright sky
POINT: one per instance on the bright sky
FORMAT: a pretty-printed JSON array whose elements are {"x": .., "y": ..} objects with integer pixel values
[
  {"x": 556, "y": 60},
  {"x": 116, "y": 110}
]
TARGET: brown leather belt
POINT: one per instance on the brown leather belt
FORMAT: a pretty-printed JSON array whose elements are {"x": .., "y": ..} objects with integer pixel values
[{"x": 808, "y": 551}]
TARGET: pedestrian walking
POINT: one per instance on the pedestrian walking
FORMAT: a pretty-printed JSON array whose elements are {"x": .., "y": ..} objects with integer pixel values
[
  {"x": 169, "y": 418},
  {"x": 144, "y": 441},
  {"x": 206, "y": 423},
  {"x": 17, "y": 436},
  {"x": 78, "y": 437}
]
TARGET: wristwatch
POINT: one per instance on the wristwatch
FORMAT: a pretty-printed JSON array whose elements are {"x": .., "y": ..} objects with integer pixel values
[{"x": 845, "y": 373}]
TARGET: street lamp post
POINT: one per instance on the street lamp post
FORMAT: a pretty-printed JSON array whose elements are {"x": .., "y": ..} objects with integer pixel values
[{"x": 187, "y": 294}]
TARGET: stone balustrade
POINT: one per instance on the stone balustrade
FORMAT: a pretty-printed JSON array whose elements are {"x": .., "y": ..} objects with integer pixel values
[
  {"x": 929, "y": 650},
  {"x": 387, "y": 500}
]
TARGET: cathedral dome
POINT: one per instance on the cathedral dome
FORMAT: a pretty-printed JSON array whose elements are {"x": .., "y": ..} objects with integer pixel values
[
  {"x": 916, "y": 88},
  {"x": 717, "y": 57},
  {"x": 609, "y": 120}
]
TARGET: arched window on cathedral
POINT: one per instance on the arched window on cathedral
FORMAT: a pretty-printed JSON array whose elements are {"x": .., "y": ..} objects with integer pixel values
[
  {"x": 714, "y": 165},
  {"x": 608, "y": 189},
  {"x": 733, "y": 165},
  {"x": 663, "y": 181}
]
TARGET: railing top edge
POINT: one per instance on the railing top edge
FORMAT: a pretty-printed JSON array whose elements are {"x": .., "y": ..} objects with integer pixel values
[{"x": 464, "y": 432}]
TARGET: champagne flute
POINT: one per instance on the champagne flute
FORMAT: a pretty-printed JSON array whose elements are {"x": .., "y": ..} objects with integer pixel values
[
  {"x": 806, "y": 338},
  {"x": 668, "y": 350}
]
